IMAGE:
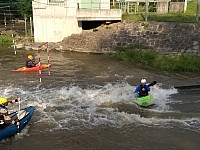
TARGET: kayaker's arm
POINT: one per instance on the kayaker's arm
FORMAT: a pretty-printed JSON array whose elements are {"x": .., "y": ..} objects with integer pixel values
[
  {"x": 137, "y": 89},
  {"x": 14, "y": 101},
  {"x": 9, "y": 120}
]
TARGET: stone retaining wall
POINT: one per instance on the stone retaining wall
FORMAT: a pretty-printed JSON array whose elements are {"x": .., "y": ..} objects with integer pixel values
[{"x": 165, "y": 37}]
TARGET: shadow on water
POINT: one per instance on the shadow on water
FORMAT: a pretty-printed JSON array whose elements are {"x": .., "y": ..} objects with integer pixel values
[{"x": 149, "y": 112}]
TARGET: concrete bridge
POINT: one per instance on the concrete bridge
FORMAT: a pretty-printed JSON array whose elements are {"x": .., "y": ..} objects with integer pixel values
[{"x": 55, "y": 19}]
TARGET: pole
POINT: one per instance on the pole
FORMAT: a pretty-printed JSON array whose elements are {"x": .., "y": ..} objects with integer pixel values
[
  {"x": 39, "y": 64},
  {"x": 185, "y": 6},
  {"x": 14, "y": 46},
  {"x": 5, "y": 20},
  {"x": 197, "y": 11},
  {"x": 18, "y": 115},
  {"x": 146, "y": 9},
  {"x": 48, "y": 59},
  {"x": 25, "y": 26},
  {"x": 31, "y": 25}
]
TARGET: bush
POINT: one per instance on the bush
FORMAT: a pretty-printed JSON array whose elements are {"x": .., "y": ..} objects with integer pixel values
[{"x": 5, "y": 40}]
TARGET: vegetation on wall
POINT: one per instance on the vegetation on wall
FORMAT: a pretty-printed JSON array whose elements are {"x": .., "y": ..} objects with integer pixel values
[
  {"x": 5, "y": 40},
  {"x": 147, "y": 57}
]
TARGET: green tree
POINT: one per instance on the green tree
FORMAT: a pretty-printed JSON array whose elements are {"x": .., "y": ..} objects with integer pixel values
[{"x": 25, "y": 8}]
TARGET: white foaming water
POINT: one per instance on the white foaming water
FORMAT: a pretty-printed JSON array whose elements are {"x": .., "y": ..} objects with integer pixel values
[{"x": 72, "y": 107}]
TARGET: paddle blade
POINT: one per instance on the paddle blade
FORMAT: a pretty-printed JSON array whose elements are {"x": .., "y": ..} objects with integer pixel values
[{"x": 153, "y": 83}]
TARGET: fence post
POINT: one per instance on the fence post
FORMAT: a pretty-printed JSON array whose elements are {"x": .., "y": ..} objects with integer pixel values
[
  {"x": 5, "y": 20},
  {"x": 185, "y": 6},
  {"x": 197, "y": 11},
  {"x": 25, "y": 26},
  {"x": 31, "y": 25}
]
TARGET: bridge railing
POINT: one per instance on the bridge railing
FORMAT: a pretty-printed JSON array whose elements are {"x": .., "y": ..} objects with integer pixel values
[{"x": 128, "y": 6}]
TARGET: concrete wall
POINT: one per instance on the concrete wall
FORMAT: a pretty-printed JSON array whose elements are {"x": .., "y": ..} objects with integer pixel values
[
  {"x": 42, "y": 1},
  {"x": 53, "y": 23},
  {"x": 105, "y": 14}
]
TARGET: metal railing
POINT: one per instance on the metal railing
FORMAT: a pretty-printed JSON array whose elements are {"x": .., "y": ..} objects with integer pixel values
[
  {"x": 138, "y": 6},
  {"x": 127, "y": 6}
]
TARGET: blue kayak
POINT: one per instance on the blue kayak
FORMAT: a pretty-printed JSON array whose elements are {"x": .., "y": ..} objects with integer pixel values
[{"x": 12, "y": 129}]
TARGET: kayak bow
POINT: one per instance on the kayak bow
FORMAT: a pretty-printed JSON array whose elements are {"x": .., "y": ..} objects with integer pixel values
[
  {"x": 144, "y": 100},
  {"x": 12, "y": 129}
]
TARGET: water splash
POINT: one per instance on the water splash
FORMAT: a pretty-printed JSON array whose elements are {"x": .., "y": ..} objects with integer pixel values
[{"x": 73, "y": 107}]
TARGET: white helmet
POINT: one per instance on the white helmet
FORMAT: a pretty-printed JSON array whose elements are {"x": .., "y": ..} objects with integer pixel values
[{"x": 143, "y": 81}]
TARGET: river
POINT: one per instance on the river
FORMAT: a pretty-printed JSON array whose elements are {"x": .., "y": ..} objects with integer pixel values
[{"x": 85, "y": 101}]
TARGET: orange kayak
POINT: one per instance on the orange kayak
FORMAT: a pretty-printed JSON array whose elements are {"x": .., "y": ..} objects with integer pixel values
[{"x": 36, "y": 68}]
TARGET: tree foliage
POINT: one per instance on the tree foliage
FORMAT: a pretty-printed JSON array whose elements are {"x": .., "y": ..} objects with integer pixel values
[
  {"x": 25, "y": 7},
  {"x": 17, "y": 8}
]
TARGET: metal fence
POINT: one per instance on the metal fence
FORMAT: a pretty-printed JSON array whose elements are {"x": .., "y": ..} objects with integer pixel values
[
  {"x": 129, "y": 6},
  {"x": 154, "y": 6}
]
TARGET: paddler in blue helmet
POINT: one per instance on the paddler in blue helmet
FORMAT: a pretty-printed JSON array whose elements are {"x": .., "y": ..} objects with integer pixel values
[
  {"x": 29, "y": 62},
  {"x": 142, "y": 89},
  {"x": 5, "y": 119}
]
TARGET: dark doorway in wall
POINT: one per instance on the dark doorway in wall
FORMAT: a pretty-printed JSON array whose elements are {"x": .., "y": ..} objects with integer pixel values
[{"x": 87, "y": 25}]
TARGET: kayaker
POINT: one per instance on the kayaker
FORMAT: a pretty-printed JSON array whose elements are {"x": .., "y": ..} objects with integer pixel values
[
  {"x": 30, "y": 63},
  {"x": 142, "y": 89},
  {"x": 5, "y": 119}
]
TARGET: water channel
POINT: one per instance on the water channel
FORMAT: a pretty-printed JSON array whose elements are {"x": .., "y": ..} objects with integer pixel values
[{"x": 87, "y": 103}]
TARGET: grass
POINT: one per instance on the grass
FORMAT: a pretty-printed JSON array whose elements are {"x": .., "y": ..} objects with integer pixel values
[
  {"x": 147, "y": 57},
  {"x": 5, "y": 40},
  {"x": 188, "y": 17}
]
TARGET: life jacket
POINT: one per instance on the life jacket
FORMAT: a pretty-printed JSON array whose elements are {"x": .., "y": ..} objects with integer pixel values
[
  {"x": 2, "y": 121},
  {"x": 30, "y": 64},
  {"x": 3, "y": 107},
  {"x": 143, "y": 90}
]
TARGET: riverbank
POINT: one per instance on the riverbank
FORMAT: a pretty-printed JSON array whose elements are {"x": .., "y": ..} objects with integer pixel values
[
  {"x": 163, "y": 37},
  {"x": 176, "y": 45}
]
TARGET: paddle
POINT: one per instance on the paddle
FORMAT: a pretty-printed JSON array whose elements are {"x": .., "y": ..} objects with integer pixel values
[
  {"x": 39, "y": 64},
  {"x": 18, "y": 113},
  {"x": 153, "y": 83},
  {"x": 48, "y": 59}
]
